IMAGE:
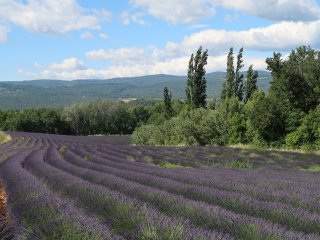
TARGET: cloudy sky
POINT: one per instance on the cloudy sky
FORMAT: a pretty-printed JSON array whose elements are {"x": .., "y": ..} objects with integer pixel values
[{"x": 79, "y": 39}]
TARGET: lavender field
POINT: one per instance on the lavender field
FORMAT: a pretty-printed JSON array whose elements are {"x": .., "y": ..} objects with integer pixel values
[{"x": 65, "y": 187}]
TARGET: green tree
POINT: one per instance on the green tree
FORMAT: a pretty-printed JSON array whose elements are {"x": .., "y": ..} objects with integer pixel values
[
  {"x": 150, "y": 134},
  {"x": 295, "y": 85},
  {"x": 228, "y": 86},
  {"x": 307, "y": 135},
  {"x": 233, "y": 85},
  {"x": 100, "y": 117},
  {"x": 238, "y": 84},
  {"x": 295, "y": 82},
  {"x": 212, "y": 104},
  {"x": 168, "y": 111},
  {"x": 197, "y": 84},
  {"x": 140, "y": 115},
  {"x": 251, "y": 83},
  {"x": 275, "y": 65},
  {"x": 265, "y": 118}
]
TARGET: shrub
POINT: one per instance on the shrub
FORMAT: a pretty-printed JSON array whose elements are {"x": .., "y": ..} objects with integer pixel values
[
  {"x": 240, "y": 163},
  {"x": 63, "y": 149},
  {"x": 148, "y": 135},
  {"x": 308, "y": 134},
  {"x": 4, "y": 138},
  {"x": 198, "y": 127}
]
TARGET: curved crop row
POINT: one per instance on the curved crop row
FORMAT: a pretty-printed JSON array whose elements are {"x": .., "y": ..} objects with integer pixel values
[
  {"x": 67, "y": 187},
  {"x": 200, "y": 214},
  {"x": 215, "y": 182}
]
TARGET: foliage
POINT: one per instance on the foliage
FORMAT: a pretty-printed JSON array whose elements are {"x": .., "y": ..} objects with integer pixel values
[
  {"x": 314, "y": 168},
  {"x": 197, "y": 127},
  {"x": 140, "y": 115},
  {"x": 62, "y": 149},
  {"x": 197, "y": 84},
  {"x": 251, "y": 83},
  {"x": 295, "y": 81},
  {"x": 148, "y": 135},
  {"x": 240, "y": 163},
  {"x": 228, "y": 86},
  {"x": 295, "y": 90},
  {"x": 233, "y": 85},
  {"x": 4, "y": 138},
  {"x": 59, "y": 93},
  {"x": 238, "y": 80},
  {"x": 87, "y": 158},
  {"x": 100, "y": 117},
  {"x": 168, "y": 111},
  {"x": 212, "y": 104},
  {"x": 169, "y": 165},
  {"x": 103, "y": 117},
  {"x": 34, "y": 120},
  {"x": 308, "y": 133},
  {"x": 264, "y": 118}
]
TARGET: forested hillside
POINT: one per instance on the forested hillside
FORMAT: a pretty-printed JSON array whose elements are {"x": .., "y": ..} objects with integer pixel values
[{"x": 57, "y": 93}]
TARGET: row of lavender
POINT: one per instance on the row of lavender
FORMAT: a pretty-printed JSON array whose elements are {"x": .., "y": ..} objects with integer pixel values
[
  {"x": 92, "y": 191},
  {"x": 220, "y": 155},
  {"x": 302, "y": 187},
  {"x": 43, "y": 206},
  {"x": 36, "y": 212},
  {"x": 292, "y": 215}
]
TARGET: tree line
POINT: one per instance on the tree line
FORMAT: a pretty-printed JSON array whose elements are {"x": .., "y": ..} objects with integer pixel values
[
  {"x": 287, "y": 116},
  {"x": 99, "y": 117}
]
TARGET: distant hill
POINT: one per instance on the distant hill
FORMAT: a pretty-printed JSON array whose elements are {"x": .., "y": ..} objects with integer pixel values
[{"x": 58, "y": 93}]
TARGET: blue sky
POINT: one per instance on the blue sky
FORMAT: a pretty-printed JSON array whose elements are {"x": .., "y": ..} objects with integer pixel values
[{"x": 78, "y": 39}]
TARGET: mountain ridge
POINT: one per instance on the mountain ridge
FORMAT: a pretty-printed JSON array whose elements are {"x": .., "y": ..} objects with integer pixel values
[{"x": 60, "y": 93}]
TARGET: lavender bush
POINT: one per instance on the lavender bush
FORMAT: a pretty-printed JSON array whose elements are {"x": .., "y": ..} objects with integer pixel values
[{"x": 66, "y": 187}]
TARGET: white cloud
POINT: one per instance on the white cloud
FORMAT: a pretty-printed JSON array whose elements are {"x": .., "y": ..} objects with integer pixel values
[
  {"x": 171, "y": 50},
  {"x": 51, "y": 17},
  {"x": 68, "y": 64},
  {"x": 191, "y": 11},
  {"x": 68, "y": 69},
  {"x": 288, "y": 10},
  {"x": 119, "y": 56},
  {"x": 27, "y": 74},
  {"x": 174, "y": 57},
  {"x": 281, "y": 36},
  {"x": 3, "y": 33},
  {"x": 104, "y": 36},
  {"x": 136, "y": 17},
  {"x": 79, "y": 74},
  {"x": 177, "y": 11},
  {"x": 87, "y": 36},
  {"x": 197, "y": 26},
  {"x": 231, "y": 18},
  {"x": 175, "y": 66},
  {"x": 37, "y": 65},
  {"x": 125, "y": 18}
]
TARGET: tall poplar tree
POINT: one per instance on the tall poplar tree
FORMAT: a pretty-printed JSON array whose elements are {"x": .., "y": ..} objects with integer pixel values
[
  {"x": 233, "y": 86},
  {"x": 168, "y": 111},
  {"x": 196, "y": 83},
  {"x": 228, "y": 86},
  {"x": 251, "y": 83},
  {"x": 238, "y": 84}
]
